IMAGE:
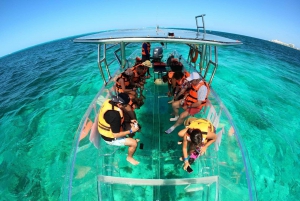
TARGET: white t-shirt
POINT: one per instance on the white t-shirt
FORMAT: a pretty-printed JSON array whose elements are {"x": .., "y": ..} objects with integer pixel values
[{"x": 202, "y": 93}]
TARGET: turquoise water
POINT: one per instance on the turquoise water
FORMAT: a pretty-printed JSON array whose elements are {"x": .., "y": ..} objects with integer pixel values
[{"x": 46, "y": 89}]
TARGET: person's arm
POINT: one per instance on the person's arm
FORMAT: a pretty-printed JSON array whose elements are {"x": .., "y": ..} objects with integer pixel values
[
  {"x": 124, "y": 133},
  {"x": 198, "y": 103},
  {"x": 182, "y": 132},
  {"x": 184, "y": 153},
  {"x": 173, "y": 82},
  {"x": 114, "y": 120},
  {"x": 211, "y": 137},
  {"x": 182, "y": 89}
]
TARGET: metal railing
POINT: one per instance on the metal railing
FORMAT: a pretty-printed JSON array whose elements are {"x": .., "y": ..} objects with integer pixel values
[{"x": 122, "y": 62}]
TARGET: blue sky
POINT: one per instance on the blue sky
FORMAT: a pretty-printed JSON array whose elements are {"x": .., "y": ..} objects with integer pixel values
[{"x": 28, "y": 23}]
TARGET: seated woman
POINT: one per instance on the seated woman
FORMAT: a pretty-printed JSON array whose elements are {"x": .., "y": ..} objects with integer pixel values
[
  {"x": 198, "y": 134},
  {"x": 125, "y": 84}
]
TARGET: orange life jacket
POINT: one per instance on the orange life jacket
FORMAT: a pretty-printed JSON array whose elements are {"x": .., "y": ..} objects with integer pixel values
[
  {"x": 193, "y": 96},
  {"x": 137, "y": 77},
  {"x": 170, "y": 75},
  {"x": 148, "y": 48},
  {"x": 126, "y": 79}
]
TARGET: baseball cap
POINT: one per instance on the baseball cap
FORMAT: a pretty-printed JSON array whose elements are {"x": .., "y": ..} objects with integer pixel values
[
  {"x": 193, "y": 76},
  {"x": 147, "y": 63}
]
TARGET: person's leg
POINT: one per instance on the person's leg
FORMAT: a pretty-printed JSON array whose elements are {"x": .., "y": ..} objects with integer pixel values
[
  {"x": 132, "y": 144},
  {"x": 181, "y": 118},
  {"x": 179, "y": 121},
  {"x": 175, "y": 105}
]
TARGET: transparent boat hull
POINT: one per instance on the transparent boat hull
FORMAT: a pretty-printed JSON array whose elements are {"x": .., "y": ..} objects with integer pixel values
[{"x": 98, "y": 171}]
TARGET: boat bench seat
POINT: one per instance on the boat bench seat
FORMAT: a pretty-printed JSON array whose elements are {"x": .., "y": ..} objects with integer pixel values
[{"x": 159, "y": 69}]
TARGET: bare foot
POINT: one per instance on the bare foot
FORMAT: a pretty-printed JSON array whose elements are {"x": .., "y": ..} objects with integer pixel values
[{"x": 132, "y": 161}]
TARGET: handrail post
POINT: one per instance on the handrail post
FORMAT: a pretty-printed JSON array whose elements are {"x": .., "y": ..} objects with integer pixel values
[
  {"x": 123, "y": 55},
  {"x": 215, "y": 65},
  {"x": 105, "y": 62},
  {"x": 202, "y": 57},
  {"x": 99, "y": 63},
  {"x": 203, "y": 25}
]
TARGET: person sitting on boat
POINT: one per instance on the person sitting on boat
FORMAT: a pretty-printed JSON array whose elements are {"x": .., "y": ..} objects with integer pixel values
[
  {"x": 110, "y": 123},
  {"x": 139, "y": 78},
  {"x": 124, "y": 84},
  {"x": 146, "y": 51},
  {"x": 139, "y": 72},
  {"x": 147, "y": 64},
  {"x": 183, "y": 89},
  {"x": 176, "y": 82},
  {"x": 192, "y": 103},
  {"x": 199, "y": 134}
]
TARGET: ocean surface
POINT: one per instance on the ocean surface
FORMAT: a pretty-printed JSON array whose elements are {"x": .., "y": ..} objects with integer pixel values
[{"x": 45, "y": 90}]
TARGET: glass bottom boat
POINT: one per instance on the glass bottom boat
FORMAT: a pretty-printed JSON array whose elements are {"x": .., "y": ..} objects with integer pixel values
[{"x": 98, "y": 171}]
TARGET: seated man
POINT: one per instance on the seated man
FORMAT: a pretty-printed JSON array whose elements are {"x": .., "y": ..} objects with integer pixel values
[
  {"x": 198, "y": 134},
  {"x": 147, "y": 64},
  {"x": 110, "y": 124},
  {"x": 193, "y": 101}
]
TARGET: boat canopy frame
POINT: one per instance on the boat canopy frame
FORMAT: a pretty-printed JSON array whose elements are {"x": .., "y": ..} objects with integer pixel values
[{"x": 205, "y": 45}]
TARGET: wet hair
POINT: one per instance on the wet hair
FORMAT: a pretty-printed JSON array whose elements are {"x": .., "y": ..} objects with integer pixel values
[
  {"x": 196, "y": 136},
  {"x": 165, "y": 78}
]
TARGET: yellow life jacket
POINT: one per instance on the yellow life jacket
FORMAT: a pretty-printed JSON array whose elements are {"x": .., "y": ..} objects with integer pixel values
[
  {"x": 203, "y": 125},
  {"x": 103, "y": 127}
]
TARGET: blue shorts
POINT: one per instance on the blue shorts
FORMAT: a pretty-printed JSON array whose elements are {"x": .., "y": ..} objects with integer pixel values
[{"x": 117, "y": 142}]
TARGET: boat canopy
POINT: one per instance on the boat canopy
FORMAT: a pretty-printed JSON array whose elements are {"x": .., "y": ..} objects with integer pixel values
[{"x": 157, "y": 35}]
